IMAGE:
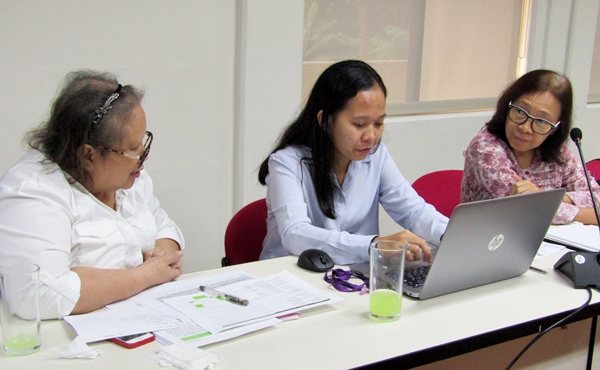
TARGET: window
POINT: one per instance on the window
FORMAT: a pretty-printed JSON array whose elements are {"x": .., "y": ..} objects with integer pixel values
[
  {"x": 463, "y": 64},
  {"x": 594, "y": 92}
]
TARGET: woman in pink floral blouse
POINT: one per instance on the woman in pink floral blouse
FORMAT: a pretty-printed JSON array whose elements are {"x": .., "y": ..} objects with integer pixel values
[{"x": 523, "y": 149}]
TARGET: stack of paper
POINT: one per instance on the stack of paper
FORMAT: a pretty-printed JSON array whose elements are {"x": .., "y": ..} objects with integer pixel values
[
  {"x": 128, "y": 319},
  {"x": 576, "y": 235},
  {"x": 269, "y": 297},
  {"x": 179, "y": 313}
]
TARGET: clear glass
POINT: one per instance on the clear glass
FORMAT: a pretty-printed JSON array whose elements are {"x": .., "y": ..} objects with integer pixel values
[
  {"x": 20, "y": 308},
  {"x": 386, "y": 280}
]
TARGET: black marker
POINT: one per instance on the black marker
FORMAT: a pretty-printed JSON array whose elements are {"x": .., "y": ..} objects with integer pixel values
[{"x": 227, "y": 297}]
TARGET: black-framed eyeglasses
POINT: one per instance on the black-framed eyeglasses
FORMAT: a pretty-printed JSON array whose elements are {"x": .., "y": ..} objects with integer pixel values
[
  {"x": 539, "y": 125},
  {"x": 147, "y": 143}
]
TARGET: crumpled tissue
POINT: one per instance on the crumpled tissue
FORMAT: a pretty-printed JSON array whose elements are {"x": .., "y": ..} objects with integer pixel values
[
  {"x": 185, "y": 358},
  {"x": 78, "y": 349}
]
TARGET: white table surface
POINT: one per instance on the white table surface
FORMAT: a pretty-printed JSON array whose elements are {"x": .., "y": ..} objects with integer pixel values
[{"x": 341, "y": 335}]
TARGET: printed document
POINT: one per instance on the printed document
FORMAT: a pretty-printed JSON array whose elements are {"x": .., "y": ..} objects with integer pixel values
[
  {"x": 268, "y": 297},
  {"x": 179, "y": 313}
]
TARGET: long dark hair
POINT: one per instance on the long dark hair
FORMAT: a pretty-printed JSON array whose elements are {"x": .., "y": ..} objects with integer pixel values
[
  {"x": 338, "y": 84},
  {"x": 540, "y": 80},
  {"x": 63, "y": 136}
]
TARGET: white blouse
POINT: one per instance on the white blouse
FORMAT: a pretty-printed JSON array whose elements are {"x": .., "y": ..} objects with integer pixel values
[{"x": 58, "y": 225}]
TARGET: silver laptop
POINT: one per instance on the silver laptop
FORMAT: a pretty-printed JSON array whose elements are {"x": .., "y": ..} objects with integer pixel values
[{"x": 485, "y": 242}]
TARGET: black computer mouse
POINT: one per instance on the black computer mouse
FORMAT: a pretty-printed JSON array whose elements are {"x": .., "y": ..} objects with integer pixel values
[{"x": 315, "y": 260}]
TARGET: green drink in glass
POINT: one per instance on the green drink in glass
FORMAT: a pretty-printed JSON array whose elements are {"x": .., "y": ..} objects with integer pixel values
[
  {"x": 385, "y": 305},
  {"x": 22, "y": 344},
  {"x": 386, "y": 280},
  {"x": 20, "y": 308}
]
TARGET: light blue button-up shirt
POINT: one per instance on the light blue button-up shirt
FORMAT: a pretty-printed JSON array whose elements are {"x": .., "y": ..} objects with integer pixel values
[{"x": 295, "y": 221}]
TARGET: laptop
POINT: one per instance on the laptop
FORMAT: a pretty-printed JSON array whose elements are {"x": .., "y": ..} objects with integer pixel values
[{"x": 485, "y": 241}]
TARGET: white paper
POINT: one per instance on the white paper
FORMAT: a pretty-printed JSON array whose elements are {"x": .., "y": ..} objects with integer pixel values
[
  {"x": 547, "y": 249},
  {"x": 578, "y": 235},
  {"x": 192, "y": 335},
  {"x": 155, "y": 296},
  {"x": 272, "y": 296},
  {"x": 148, "y": 312},
  {"x": 97, "y": 326},
  {"x": 145, "y": 312}
]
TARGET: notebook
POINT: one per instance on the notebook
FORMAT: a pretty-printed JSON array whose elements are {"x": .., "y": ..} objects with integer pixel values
[
  {"x": 575, "y": 236},
  {"x": 485, "y": 242}
]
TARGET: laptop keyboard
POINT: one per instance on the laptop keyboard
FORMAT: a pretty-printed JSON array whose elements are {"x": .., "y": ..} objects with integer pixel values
[{"x": 415, "y": 277}]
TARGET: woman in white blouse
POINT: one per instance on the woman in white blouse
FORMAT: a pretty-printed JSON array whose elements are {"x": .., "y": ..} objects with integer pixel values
[
  {"x": 80, "y": 205},
  {"x": 330, "y": 171}
]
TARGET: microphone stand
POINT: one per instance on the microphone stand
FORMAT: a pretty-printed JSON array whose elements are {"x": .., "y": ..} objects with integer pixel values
[
  {"x": 583, "y": 268},
  {"x": 589, "y": 184}
]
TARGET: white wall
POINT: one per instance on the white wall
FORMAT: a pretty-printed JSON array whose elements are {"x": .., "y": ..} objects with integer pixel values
[
  {"x": 182, "y": 52},
  {"x": 223, "y": 77},
  {"x": 269, "y": 85}
]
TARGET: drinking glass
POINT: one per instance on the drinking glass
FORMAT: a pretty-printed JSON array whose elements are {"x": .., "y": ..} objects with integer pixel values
[
  {"x": 386, "y": 280},
  {"x": 20, "y": 308}
]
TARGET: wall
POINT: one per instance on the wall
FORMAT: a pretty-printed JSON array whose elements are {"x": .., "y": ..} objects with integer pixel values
[{"x": 182, "y": 53}]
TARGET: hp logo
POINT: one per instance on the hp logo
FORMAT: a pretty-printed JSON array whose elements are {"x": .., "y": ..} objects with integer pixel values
[{"x": 496, "y": 242}]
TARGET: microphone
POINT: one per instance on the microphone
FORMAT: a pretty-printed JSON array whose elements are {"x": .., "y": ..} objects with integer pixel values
[
  {"x": 576, "y": 136},
  {"x": 583, "y": 268}
]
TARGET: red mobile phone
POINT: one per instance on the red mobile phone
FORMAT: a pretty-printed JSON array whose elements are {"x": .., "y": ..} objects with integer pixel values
[{"x": 133, "y": 341}]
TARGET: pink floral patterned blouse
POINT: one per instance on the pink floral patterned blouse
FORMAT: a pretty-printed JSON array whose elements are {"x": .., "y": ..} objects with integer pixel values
[{"x": 490, "y": 163}]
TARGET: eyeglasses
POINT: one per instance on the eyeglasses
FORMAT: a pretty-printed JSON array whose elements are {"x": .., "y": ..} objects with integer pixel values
[
  {"x": 539, "y": 125},
  {"x": 147, "y": 142}
]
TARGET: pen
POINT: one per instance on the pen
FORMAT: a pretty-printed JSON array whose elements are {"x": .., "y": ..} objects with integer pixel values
[
  {"x": 538, "y": 270},
  {"x": 228, "y": 297}
]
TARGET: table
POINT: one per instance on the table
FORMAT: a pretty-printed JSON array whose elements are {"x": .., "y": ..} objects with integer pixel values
[{"x": 341, "y": 335}]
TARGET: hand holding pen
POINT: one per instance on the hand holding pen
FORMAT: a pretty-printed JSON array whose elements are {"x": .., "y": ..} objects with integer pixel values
[{"x": 225, "y": 296}]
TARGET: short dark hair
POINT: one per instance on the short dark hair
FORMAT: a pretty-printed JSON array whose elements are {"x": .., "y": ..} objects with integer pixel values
[
  {"x": 540, "y": 80},
  {"x": 338, "y": 84},
  {"x": 62, "y": 137}
]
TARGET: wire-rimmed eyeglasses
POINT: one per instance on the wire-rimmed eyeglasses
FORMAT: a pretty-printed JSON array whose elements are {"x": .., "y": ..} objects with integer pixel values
[
  {"x": 147, "y": 143},
  {"x": 539, "y": 125}
]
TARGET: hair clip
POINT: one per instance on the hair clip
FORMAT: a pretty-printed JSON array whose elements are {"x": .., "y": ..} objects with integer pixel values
[{"x": 104, "y": 109}]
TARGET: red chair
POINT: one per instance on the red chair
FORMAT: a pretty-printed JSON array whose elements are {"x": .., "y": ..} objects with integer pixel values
[
  {"x": 593, "y": 168},
  {"x": 441, "y": 189},
  {"x": 245, "y": 234}
]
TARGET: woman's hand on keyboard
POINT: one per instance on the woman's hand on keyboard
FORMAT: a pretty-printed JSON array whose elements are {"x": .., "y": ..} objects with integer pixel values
[{"x": 416, "y": 247}]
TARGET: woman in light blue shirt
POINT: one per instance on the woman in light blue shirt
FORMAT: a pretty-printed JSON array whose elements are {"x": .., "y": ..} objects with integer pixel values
[{"x": 330, "y": 171}]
